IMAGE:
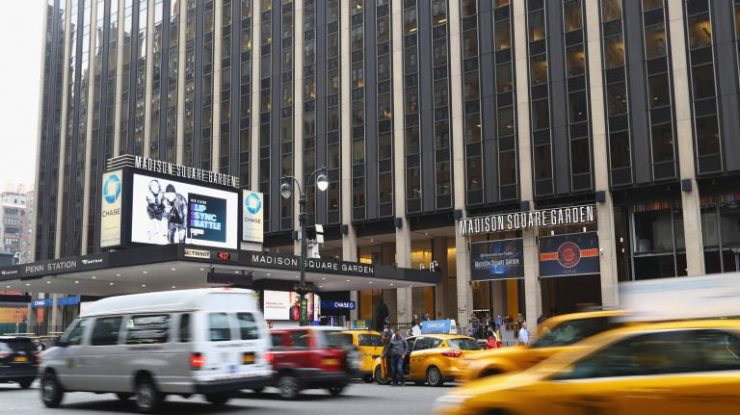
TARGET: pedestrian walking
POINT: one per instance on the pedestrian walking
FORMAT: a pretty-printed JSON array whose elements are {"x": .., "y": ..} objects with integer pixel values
[
  {"x": 398, "y": 351},
  {"x": 524, "y": 334},
  {"x": 474, "y": 326},
  {"x": 492, "y": 341}
]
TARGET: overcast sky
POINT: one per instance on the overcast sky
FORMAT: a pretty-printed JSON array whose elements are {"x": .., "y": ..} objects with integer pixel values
[{"x": 21, "y": 31}]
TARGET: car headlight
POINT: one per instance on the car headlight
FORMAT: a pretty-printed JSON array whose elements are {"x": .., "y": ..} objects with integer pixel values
[{"x": 449, "y": 402}]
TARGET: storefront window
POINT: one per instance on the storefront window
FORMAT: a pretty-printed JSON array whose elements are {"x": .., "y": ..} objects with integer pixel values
[
  {"x": 720, "y": 224},
  {"x": 658, "y": 241}
]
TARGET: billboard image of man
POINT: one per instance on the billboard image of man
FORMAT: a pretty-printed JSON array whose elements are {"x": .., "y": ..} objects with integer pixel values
[
  {"x": 295, "y": 309},
  {"x": 176, "y": 214},
  {"x": 155, "y": 210}
]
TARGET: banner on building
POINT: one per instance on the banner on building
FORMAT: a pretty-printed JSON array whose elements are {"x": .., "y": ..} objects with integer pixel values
[
  {"x": 110, "y": 209},
  {"x": 496, "y": 260},
  {"x": 572, "y": 254},
  {"x": 252, "y": 217}
]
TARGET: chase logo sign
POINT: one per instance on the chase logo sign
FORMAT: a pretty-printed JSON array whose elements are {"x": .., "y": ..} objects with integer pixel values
[
  {"x": 253, "y": 203},
  {"x": 112, "y": 189}
]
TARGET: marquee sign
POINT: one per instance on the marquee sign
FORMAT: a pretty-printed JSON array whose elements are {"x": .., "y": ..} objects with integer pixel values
[
  {"x": 576, "y": 215},
  {"x": 185, "y": 172}
]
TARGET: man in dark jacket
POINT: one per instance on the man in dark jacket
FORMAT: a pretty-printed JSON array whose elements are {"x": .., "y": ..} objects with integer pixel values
[{"x": 398, "y": 349}]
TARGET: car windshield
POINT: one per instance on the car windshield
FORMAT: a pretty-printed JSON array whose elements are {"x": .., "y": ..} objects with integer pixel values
[
  {"x": 464, "y": 344},
  {"x": 338, "y": 339},
  {"x": 372, "y": 340},
  {"x": 573, "y": 331}
]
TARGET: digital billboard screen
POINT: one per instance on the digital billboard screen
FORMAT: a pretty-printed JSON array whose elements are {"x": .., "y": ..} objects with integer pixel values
[
  {"x": 285, "y": 305},
  {"x": 167, "y": 211}
]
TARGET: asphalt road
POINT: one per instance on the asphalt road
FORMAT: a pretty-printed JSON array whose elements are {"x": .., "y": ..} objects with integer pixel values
[{"x": 357, "y": 399}]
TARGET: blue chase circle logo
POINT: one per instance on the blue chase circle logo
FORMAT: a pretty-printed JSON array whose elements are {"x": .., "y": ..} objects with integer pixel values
[
  {"x": 112, "y": 188},
  {"x": 252, "y": 203}
]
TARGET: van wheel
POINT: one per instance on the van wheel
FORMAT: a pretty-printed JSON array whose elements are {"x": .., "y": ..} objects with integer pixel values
[
  {"x": 336, "y": 390},
  {"x": 288, "y": 386},
  {"x": 124, "y": 396},
  {"x": 148, "y": 398},
  {"x": 51, "y": 390},
  {"x": 25, "y": 384},
  {"x": 379, "y": 379},
  {"x": 217, "y": 399},
  {"x": 434, "y": 377}
]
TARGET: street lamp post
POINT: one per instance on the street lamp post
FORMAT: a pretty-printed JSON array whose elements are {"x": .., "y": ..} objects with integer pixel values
[{"x": 286, "y": 191}]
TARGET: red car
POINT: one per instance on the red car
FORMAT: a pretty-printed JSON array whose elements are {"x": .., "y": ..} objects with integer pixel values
[{"x": 311, "y": 358}]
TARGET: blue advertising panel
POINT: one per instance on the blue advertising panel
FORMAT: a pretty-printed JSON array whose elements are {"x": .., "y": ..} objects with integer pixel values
[
  {"x": 337, "y": 305},
  {"x": 496, "y": 260},
  {"x": 572, "y": 254},
  {"x": 438, "y": 327}
]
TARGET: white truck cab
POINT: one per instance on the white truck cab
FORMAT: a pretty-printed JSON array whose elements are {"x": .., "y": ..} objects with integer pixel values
[{"x": 205, "y": 341}]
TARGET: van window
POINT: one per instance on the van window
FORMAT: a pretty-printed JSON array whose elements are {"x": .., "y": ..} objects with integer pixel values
[
  {"x": 105, "y": 331},
  {"x": 184, "y": 332},
  {"x": 219, "y": 327},
  {"x": 74, "y": 333},
  {"x": 248, "y": 329},
  {"x": 149, "y": 329}
]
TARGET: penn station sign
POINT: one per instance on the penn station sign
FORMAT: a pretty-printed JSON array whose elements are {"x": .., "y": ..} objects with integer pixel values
[{"x": 575, "y": 215}]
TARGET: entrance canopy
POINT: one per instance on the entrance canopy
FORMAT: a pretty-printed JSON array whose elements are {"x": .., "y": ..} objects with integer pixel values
[{"x": 167, "y": 267}]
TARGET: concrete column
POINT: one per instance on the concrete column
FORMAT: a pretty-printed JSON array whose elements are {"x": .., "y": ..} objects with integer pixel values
[
  {"x": 439, "y": 254},
  {"x": 690, "y": 200},
  {"x": 604, "y": 211},
  {"x": 182, "y": 46},
  {"x": 254, "y": 150},
  {"x": 464, "y": 289},
  {"x": 532, "y": 289},
  {"x": 62, "y": 136},
  {"x": 54, "y": 320},
  {"x": 354, "y": 297},
  {"x": 89, "y": 125},
  {"x": 298, "y": 112},
  {"x": 31, "y": 319},
  {"x": 119, "y": 79},
  {"x": 218, "y": 6},
  {"x": 149, "y": 76}
]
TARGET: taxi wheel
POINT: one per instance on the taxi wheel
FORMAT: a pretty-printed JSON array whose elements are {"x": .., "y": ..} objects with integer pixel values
[
  {"x": 51, "y": 390},
  {"x": 379, "y": 379},
  {"x": 434, "y": 376}
]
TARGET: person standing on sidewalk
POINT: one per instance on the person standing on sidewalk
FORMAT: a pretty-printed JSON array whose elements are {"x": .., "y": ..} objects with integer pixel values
[{"x": 398, "y": 351}]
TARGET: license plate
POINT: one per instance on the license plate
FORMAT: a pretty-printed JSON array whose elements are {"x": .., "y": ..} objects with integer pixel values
[
  {"x": 248, "y": 358},
  {"x": 20, "y": 359}
]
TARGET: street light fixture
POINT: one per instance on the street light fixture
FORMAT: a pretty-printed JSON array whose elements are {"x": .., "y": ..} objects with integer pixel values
[{"x": 286, "y": 191}]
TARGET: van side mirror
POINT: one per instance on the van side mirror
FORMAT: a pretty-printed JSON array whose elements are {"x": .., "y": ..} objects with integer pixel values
[{"x": 61, "y": 343}]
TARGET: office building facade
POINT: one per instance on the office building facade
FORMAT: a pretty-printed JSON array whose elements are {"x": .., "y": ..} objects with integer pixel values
[{"x": 426, "y": 116}]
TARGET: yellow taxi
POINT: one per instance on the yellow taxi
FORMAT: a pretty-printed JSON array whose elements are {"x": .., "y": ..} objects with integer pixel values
[
  {"x": 555, "y": 334},
  {"x": 433, "y": 358},
  {"x": 370, "y": 347},
  {"x": 677, "y": 368}
]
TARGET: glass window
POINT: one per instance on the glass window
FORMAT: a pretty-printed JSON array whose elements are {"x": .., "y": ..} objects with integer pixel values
[
  {"x": 468, "y": 7},
  {"x": 300, "y": 338},
  {"x": 220, "y": 327},
  {"x": 184, "y": 330},
  {"x": 542, "y": 162},
  {"x": 106, "y": 331},
  {"x": 409, "y": 21},
  {"x": 507, "y": 167},
  {"x": 616, "y": 99},
  {"x": 385, "y": 146},
  {"x": 338, "y": 339},
  {"x": 581, "y": 156},
  {"x": 472, "y": 128},
  {"x": 332, "y": 45},
  {"x": 659, "y": 90},
  {"x": 611, "y": 10},
  {"x": 576, "y": 60},
  {"x": 502, "y": 35},
  {"x": 662, "y": 143},
  {"x": 440, "y": 93},
  {"x": 147, "y": 329},
  {"x": 700, "y": 31},
  {"x": 540, "y": 115},
  {"x": 578, "y": 110},
  {"x": 538, "y": 69},
  {"x": 385, "y": 188},
  {"x": 573, "y": 16},
  {"x": 651, "y": 4},
  {"x": 471, "y": 86},
  {"x": 358, "y": 151},
  {"x": 619, "y": 146},
  {"x": 536, "y": 25},
  {"x": 358, "y": 113},
  {"x": 707, "y": 136},
  {"x": 703, "y": 77},
  {"x": 422, "y": 343},
  {"x": 655, "y": 45},
  {"x": 470, "y": 44},
  {"x": 439, "y": 12},
  {"x": 505, "y": 119},
  {"x": 73, "y": 335},
  {"x": 464, "y": 344},
  {"x": 248, "y": 328},
  {"x": 372, "y": 340},
  {"x": 440, "y": 52},
  {"x": 614, "y": 51},
  {"x": 504, "y": 82},
  {"x": 384, "y": 29},
  {"x": 356, "y": 36}
]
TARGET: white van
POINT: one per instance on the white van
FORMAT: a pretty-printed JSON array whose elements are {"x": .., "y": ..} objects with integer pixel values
[{"x": 206, "y": 341}]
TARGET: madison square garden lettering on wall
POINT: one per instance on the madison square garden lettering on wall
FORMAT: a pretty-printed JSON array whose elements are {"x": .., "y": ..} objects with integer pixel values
[
  {"x": 492, "y": 260},
  {"x": 110, "y": 209},
  {"x": 166, "y": 211},
  {"x": 572, "y": 254},
  {"x": 252, "y": 217},
  {"x": 576, "y": 215}
]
